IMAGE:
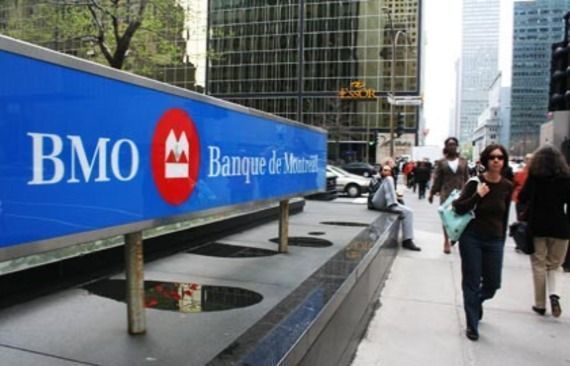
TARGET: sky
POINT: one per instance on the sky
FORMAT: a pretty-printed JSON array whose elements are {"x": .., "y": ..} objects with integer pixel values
[{"x": 442, "y": 41}]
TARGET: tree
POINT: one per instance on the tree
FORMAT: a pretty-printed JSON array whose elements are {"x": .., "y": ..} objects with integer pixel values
[{"x": 135, "y": 35}]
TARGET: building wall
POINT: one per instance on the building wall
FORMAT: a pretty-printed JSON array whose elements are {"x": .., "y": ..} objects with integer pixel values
[
  {"x": 292, "y": 57},
  {"x": 537, "y": 25},
  {"x": 479, "y": 60},
  {"x": 505, "y": 115}
]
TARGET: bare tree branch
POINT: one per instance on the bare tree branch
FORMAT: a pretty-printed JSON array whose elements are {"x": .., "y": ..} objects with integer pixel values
[
  {"x": 101, "y": 36},
  {"x": 115, "y": 21}
]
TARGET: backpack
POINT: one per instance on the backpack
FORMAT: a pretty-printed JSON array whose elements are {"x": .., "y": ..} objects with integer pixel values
[{"x": 375, "y": 183}]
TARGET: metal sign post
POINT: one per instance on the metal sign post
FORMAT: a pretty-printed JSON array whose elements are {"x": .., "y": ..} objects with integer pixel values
[
  {"x": 134, "y": 264},
  {"x": 284, "y": 226}
]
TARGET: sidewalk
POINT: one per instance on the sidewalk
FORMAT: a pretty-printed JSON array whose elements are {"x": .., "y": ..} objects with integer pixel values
[{"x": 421, "y": 318}]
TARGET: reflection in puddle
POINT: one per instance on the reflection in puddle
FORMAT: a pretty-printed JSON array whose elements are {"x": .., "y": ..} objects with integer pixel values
[
  {"x": 305, "y": 241},
  {"x": 182, "y": 297},
  {"x": 344, "y": 223},
  {"x": 317, "y": 233},
  {"x": 230, "y": 251}
]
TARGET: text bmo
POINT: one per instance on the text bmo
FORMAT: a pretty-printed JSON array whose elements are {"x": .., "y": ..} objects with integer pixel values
[{"x": 51, "y": 164}]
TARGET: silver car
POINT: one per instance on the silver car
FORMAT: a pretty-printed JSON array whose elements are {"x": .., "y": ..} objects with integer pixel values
[{"x": 351, "y": 184}]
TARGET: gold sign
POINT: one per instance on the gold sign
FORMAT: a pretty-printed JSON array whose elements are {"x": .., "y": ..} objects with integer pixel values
[{"x": 357, "y": 91}]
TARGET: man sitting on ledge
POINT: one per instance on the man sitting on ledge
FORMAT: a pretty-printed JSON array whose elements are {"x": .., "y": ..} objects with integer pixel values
[{"x": 384, "y": 199}]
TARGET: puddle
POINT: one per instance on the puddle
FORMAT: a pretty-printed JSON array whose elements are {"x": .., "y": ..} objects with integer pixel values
[
  {"x": 305, "y": 241},
  {"x": 230, "y": 251},
  {"x": 343, "y": 223},
  {"x": 317, "y": 233},
  {"x": 180, "y": 297}
]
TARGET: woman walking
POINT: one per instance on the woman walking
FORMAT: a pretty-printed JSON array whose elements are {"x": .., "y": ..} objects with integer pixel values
[
  {"x": 545, "y": 193},
  {"x": 481, "y": 244},
  {"x": 421, "y": 177},
  {"x": 449, "y": 173}
]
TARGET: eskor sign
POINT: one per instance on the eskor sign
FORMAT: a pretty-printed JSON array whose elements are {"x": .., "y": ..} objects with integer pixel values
[
  {"x": 357, "y": 91},
  {"x": 175, "y": 156},
  {"x": 88, "y": 151}
]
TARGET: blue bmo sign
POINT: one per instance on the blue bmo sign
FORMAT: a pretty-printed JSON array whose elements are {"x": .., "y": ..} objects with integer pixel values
[{"x": 84, "y": 148}]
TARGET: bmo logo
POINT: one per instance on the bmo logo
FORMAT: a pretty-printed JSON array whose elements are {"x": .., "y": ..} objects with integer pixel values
[
  {"x": 175, "y": 156},
  {"x": 110, "y": 160}
]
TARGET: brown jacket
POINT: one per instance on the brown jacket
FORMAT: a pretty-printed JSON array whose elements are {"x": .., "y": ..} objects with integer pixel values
[{"x": 445, "y": 180}]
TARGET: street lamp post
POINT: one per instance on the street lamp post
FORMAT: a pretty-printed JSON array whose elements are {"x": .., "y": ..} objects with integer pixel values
[
  {"x": 392, "y": 86},
  {"x": 394, "y": 36}
]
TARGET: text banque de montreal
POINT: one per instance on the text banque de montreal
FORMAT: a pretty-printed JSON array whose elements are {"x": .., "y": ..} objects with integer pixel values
[{"x": 247, "y": 166}]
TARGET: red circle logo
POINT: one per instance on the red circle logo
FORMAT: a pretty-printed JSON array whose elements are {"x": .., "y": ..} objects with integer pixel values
[{"x": 175, "y": 156}]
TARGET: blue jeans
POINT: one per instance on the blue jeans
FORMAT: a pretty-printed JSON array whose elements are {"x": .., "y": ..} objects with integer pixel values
[{"x": 481, "y": 267}]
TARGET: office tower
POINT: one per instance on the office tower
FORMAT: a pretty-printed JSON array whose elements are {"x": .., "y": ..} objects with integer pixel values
[
  {"x": 479, "y": 61},
  {"x": 537, "y": 24},
  {"x": 324, "y": 63}
]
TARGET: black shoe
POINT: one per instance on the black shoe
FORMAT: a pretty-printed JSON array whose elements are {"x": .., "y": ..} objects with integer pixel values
[
  {"x": 409, "y": 244},
  {"x": 539, "y": 311},
  {"x": 471, "y": 334},
  {"x": 555, "y": 306},
  {"x": 566, "y": 269}
]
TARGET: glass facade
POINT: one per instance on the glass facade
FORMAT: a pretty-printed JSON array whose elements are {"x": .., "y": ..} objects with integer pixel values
[
  {"x": 537, "y": 25},
  {"x": 479, "y": 61},
  {"x": 292, "y": 57}
]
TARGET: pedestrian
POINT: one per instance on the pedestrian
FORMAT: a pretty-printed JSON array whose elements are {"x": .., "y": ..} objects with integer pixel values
[
  {"x": 546, "y": 195},
  {"x": 481, "y": 244},
  {"x": 395, "y": 170},
  {"x": 449, "y": 173},
  {"x": 408, "y": 170},
  {"x": 385, "y": 199},
  {"x": 421, "y": 177},
  {"x": 519, "y": 180}
]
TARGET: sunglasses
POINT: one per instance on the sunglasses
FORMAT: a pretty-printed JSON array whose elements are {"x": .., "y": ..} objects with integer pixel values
[{"x": 496, "y": 157}]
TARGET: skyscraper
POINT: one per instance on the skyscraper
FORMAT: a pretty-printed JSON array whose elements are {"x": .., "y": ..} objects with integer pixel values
[
  {"x": 537, "y": 24},
  {"x": 300, "y": 59},
  {"x": 479, "y": 61}
]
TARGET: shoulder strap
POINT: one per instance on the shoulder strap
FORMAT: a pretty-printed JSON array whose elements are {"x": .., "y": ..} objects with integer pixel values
[{"x": 474, "y": 179}]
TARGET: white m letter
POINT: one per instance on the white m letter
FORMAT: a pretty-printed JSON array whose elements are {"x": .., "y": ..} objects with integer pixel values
[{"x": 86, "y": 167}]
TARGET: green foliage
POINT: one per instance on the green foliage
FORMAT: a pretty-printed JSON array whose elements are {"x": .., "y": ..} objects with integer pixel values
[{"x": 134, "y": 35}]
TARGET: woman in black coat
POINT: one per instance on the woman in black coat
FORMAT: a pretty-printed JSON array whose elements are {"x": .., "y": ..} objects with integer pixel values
[{"x": 546, "y": 195}]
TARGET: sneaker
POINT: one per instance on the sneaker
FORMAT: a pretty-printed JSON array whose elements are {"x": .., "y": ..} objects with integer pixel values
[
  {"x": 539, "y": 311},
  {"x": 410, "y": 245},
  {"x": 555, "y": 306}
]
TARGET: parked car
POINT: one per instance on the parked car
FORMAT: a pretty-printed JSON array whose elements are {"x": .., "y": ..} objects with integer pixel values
[
  {"x": 351, "y": 184},
  {"x": 330, "y": 192},
  {"x": 360, "y": 168}
]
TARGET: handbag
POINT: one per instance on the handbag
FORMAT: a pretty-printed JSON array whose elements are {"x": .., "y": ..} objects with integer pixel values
[
  {"x": 453, "y": 223},
  {"x": 522, "y": 236},
  {"x": 520, "y": 230}
]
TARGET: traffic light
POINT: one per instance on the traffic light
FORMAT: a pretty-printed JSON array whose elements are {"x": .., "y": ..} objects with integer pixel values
[
  {"x": 400, "y": 125},
  {"x": 559, "y": 95}
]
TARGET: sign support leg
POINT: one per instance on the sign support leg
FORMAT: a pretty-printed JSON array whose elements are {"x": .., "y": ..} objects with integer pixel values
[
  {"x": 284, "y": 226},
  {"x": 135, "y": 283}
]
